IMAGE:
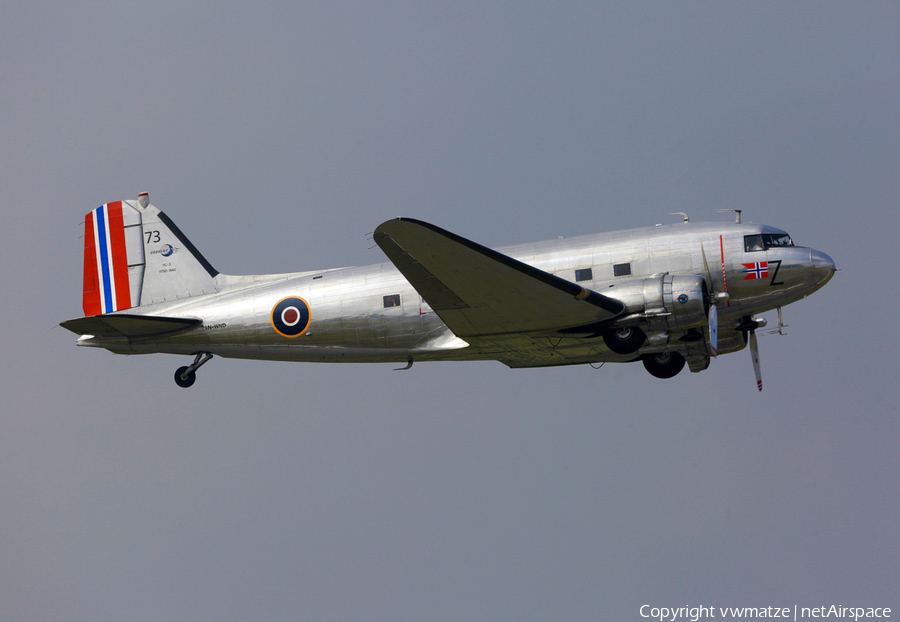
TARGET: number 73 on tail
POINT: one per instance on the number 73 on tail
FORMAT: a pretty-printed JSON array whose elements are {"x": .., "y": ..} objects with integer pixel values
[{"x": 670, "y": 296}]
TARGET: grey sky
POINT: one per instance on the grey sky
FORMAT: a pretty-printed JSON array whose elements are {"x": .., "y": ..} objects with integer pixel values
[{"x": 277, "y": 137}]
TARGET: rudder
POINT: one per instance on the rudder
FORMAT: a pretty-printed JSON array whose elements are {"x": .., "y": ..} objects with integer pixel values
[
  {"x": 113, "y": 259},
  {"x": 134, "y": 255}
]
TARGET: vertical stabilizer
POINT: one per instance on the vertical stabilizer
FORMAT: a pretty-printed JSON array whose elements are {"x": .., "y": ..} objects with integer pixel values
[{"x": 175, "y": 268}]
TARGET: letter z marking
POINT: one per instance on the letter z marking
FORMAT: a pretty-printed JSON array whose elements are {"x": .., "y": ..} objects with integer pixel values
[{"x": 777, "y": 264}]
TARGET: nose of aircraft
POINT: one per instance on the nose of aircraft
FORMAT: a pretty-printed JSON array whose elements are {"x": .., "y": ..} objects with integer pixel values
[
  {"x": 822, "y": 266},
  {"x": 818, "y": 259}
]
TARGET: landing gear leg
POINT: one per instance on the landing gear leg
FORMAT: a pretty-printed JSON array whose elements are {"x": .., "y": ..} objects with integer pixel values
[{"x": 186, "y": 376}]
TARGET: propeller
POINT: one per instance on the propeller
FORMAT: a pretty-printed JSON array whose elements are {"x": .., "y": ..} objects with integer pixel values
[
  {"x": 713, "y": 311},
  {"x": 749, "y": 324},
  {"x": 754, "y": 353}
]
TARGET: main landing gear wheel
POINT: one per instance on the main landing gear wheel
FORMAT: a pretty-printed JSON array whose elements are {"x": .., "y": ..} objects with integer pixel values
[
  {"x": 187, "y": 376},
  {"x": 624, "y": 340},
  {"x": 663, "y": 364}
]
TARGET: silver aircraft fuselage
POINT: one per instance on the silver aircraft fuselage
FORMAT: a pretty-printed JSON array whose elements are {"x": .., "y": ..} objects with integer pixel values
[{"x": 373, "y": 313}]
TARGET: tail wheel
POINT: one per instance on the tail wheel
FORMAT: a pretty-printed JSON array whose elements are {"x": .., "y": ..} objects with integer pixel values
[
  {"x": 663, "y": 364},
  {"x": 186, "y": 376},
  {"x": 184, "y": 380},
  {"x": 624, "y": 340}
]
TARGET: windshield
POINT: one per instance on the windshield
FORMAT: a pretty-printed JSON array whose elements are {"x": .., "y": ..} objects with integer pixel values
[
  {"x": 777, "y": 239},
  {"x": 763, "y": 241}
]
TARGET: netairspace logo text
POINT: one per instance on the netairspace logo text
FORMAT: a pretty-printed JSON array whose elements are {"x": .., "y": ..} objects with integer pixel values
[{"x": 674, "y": 614}]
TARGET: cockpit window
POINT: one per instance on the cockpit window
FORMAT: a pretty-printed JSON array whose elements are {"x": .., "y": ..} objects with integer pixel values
[
  {"x": 777, "y": 239},
  {"x": 763, "y": 241}
]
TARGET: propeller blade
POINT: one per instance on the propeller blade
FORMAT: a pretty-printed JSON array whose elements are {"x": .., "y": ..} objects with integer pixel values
[
  {"x": 713, "y": 331},
  {"x": 709, "y": 281},
  {"x": 754, "y": 353}
]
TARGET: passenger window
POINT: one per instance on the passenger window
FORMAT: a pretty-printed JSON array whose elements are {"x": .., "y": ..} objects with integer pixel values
[
  {"x": 585, "y": 274},
  {"x": 392, "y": 301},
  {"x": 753, "y": 243},
  {"x": 622, "y": 269}
]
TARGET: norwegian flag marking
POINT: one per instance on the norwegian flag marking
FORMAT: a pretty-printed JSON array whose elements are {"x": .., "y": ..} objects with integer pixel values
[{"x": 757, "y": 270}]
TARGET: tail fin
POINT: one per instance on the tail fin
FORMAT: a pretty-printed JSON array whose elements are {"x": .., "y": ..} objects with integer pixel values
[{"x": 134, "y": 255}]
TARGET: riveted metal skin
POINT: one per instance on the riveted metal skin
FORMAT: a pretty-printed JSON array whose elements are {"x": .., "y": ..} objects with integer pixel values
[{"x": 667, "y": 294}]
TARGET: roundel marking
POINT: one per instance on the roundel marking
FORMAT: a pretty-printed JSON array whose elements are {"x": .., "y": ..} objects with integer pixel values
[
  {"x": 290, "y": 316},
  {"x": 683, "y": 298}
]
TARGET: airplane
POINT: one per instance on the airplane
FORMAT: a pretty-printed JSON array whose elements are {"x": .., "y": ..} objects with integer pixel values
[{"x": 670, "y": 296}]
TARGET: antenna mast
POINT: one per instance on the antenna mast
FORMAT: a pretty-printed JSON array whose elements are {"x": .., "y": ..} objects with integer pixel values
[{"x": 737, "y": 214}]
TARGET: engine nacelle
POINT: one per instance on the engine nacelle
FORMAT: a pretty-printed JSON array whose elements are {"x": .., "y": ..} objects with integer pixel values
[{"x": 673, "y": 302}]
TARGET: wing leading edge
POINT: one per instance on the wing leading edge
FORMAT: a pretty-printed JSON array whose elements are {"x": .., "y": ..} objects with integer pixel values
[{"x": 477, "y": 291}]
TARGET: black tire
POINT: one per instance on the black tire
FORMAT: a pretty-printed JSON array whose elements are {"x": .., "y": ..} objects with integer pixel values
[
  {"x": 663, "y": 364},
  {"x": 624, "y": 340},
  {"x": 184, "y": 383}
]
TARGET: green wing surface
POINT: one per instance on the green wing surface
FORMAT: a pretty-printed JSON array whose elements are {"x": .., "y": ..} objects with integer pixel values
[{"x": 477, "y": 291}]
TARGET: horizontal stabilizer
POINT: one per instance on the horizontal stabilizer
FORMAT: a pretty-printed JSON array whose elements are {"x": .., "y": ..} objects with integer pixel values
[
  {"x": 478, "y": 291},
  {"x": 128, "y": 325}
]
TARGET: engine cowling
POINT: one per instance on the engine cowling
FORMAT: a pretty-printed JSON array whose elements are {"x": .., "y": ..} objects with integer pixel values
[{"x": 669, "y": 301}]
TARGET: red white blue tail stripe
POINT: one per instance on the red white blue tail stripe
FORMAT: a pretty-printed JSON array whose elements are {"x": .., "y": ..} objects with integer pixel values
[{"x": 106, "y": 287}]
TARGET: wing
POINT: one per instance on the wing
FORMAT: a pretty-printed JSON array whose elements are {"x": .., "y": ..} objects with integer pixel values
[
  {"x": 126, "y": 325},
  {"x": 478, "y": 291}
]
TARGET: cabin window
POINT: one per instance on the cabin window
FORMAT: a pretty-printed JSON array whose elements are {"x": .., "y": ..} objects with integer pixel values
[
  {"x": 392, "y": 301},
  {"x": 585, "y": 274},
  {"x": 622, "y": 269},
  {"x": 753, "y": 243}
]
